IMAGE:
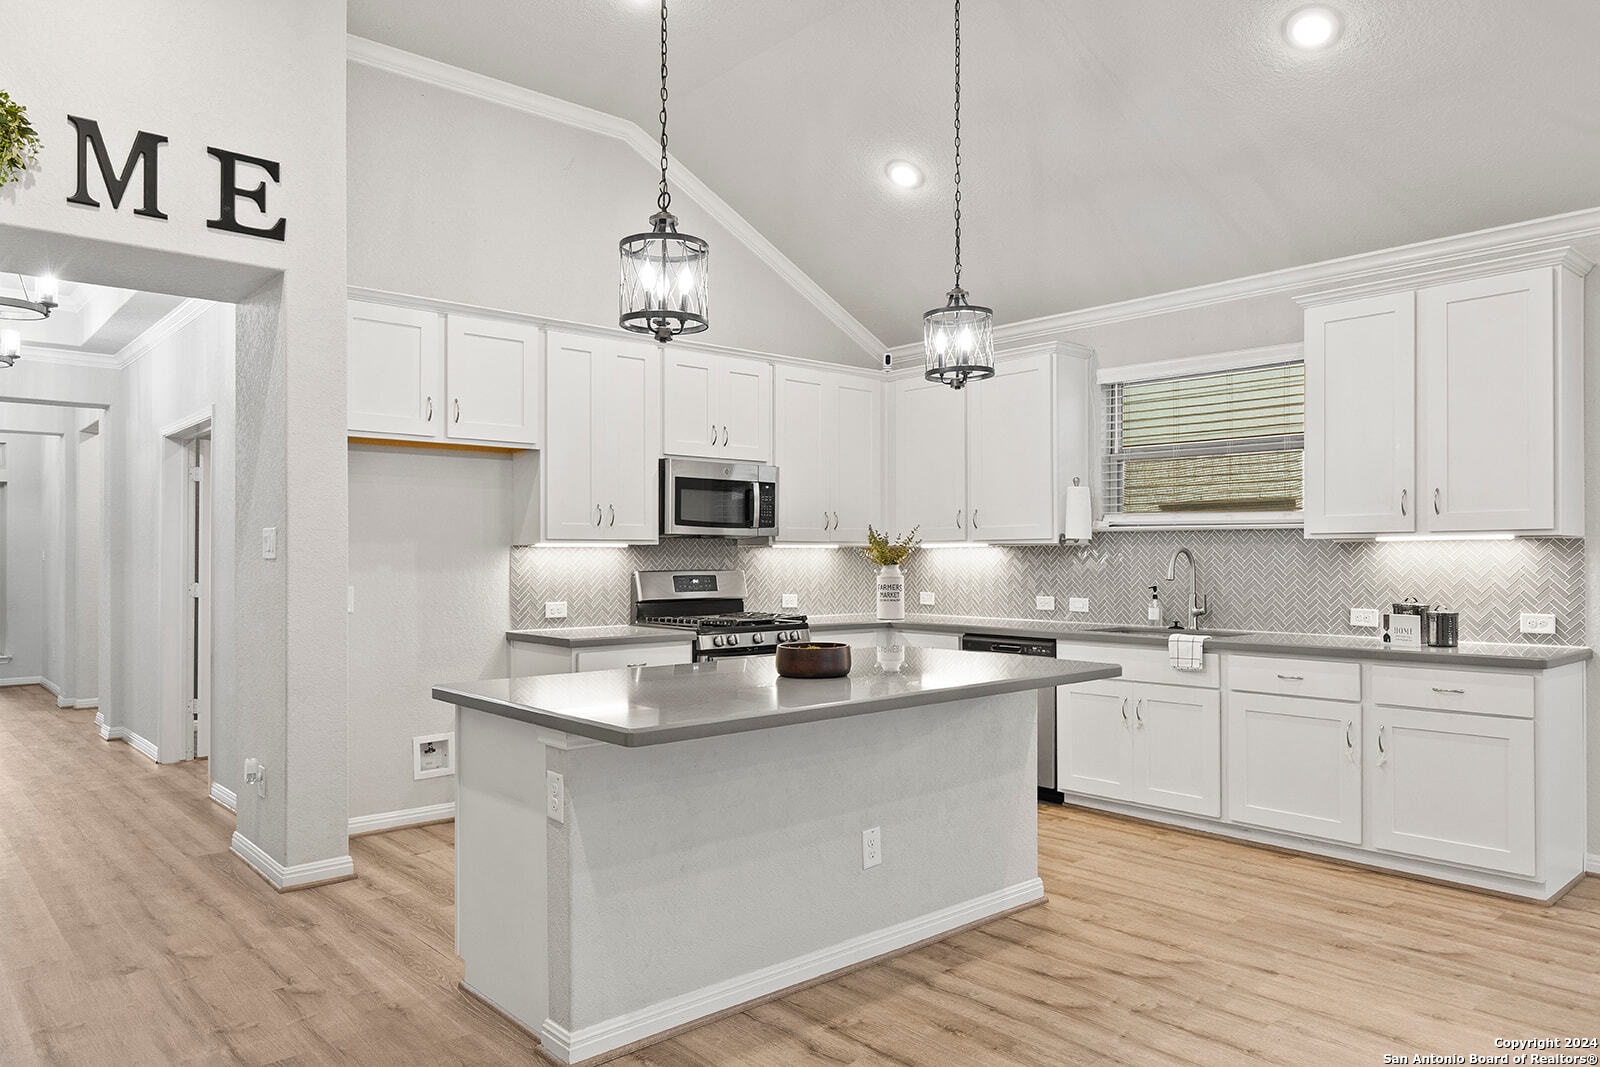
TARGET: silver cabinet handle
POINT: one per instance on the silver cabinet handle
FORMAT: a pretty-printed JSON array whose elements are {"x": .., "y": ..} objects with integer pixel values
[
  {"x": 1349, "y": 742},
  {"x": 1436, "y": 501},
  {"x": 1381, "y": 750},
  {"x": 974, "y": 518},
  {"x": 1402, "y": 502},
  {"x": 825, "y": 520},
  {"x": 613, "y": 509},
  {"x": 1453, "y": 692},
  {"x": 724, "y": 437},
  {"x": 958, "y": 520},
  {"x": 1124, "y": 711},
  {"x": 597, "y": 514},
  {"x": 1138, "y": 713},
  {"x": 835, "y": 520},
  {"x": 637, "y": 665},
  {"x": 713, "y": 433},
  {"x": 1292, "y": 677},
  {"x": 458, "y": 409},
  {"x": 429, "y": 416}
]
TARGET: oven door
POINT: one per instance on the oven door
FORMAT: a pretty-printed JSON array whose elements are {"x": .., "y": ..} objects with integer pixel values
[{"x": 709, "y": 499}]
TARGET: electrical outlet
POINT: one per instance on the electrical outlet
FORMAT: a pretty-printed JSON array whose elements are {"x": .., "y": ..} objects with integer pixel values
[
  {"x": 1044, "y": 603},
  {"x": 1078, "y": 605},
  {"x": 791, "y": 600},
  {"x": 926, "y": 598},
  {"x": 555, "y": 609},
  {"x": 1365, "y": 617},
  {"x": 1538, "y": 624},
  {"x": 871, "y": 848},
  {"x": 269, "y": 542},
  {"x": 555, "y": 797}
]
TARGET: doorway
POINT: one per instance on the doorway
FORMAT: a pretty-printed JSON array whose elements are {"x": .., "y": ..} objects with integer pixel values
[{"x": 186, "y": 590}]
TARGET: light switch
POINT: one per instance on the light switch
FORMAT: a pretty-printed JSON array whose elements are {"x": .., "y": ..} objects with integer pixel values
[
  {"x": 1078, "y": 605},
  {"x": 269, "y": 542},
  {"x": 1044, "y": 603}
]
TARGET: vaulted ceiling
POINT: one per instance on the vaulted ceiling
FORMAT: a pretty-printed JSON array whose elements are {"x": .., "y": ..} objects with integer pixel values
[{"x": 1111, "y": 149}]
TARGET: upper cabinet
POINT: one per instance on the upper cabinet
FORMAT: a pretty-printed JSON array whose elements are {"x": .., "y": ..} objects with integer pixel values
[
  {"x": 829, "y": 453},
  {"x": 719, "y": 407},
  {"x": 419, "y": 375},
  {"x": 990, "y": 463},
  {"x": 1449, "y": 408}
]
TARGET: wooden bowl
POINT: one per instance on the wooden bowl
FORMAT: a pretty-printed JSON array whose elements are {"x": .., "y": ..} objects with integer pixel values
[{"x": 813, "y": 659}]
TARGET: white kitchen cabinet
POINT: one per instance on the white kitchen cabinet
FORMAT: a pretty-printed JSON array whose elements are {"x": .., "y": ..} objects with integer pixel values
[
  {"x": 1448, "y": 408},
  {"x": 1094, "y": 739},
  {"x": 396, "y": 371},
  {"x": 990, "y": 462},
  {"x": 1295, "y": 764},
  {"x": 1155, "y": 745},
  {"x": 829, "y": 452},
  {"x": 1453, "y": 786},
  {"x": 494, "y": 377},
  {"x": 715, "y": 406},
  {"x": 923, "y": 638},
  {"x": 529, "y": 658},
  {"x": 1360, "y": 447},
  {"x": 599, "y": 470}
]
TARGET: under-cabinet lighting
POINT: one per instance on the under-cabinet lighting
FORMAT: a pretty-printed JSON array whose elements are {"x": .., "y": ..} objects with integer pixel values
[
  {"x": 953, "y": 544},
  {"x": 819, "y": 544},
  {"x": 575, "y": 544},
  {"x": 1447, "y": 537}
]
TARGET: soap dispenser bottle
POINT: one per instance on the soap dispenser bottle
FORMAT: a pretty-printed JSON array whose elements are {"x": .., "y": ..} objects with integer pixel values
[{"x": 1153, "y": 612}]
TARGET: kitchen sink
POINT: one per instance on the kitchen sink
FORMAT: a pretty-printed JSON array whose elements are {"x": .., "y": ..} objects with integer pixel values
[{"x": 1154, "y": 632}]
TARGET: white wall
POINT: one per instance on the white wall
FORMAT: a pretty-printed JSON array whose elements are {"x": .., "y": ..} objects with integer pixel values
[
  {"x": 430, "y": 563},
  {"x": 56, "y": 521},
  {"x": 508, "y": 210},
  {"x": 89, "y": 547},
  {"x": 25, "y": 538}
]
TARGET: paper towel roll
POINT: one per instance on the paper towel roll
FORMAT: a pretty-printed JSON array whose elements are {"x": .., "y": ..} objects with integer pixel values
[{"x": 1079, "y": 524}]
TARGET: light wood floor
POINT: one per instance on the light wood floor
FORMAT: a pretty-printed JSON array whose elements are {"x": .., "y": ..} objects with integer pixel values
[{"x": 129, "y": 936}]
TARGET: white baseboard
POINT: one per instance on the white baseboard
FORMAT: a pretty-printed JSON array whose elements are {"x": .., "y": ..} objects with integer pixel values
[
  {"x": 100, "y": 719},
  {"x": 55, "y": 690},
  {"x": 121, "y": 733},
  {"x": 570, "y": 1046},
  {"x": 35, "y": 680},
  {"x": 393, "y": 820},
  {"x": 82, "y": 703},
  {"x": 281, "y": 877},
  {"x": 224, "y": 796}
]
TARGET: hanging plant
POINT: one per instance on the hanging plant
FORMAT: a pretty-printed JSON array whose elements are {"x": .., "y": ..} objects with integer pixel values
[{"x": 19, "y": 142}]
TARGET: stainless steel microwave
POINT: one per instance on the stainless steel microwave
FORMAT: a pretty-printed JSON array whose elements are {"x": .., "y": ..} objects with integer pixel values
[{"x": 710, "y": 498}]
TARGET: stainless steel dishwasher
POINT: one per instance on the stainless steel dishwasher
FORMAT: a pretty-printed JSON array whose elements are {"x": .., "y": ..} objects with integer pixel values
[{"x": 1029, "y": 646}]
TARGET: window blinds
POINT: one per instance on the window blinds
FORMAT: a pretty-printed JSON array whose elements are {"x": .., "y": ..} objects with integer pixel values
[{"x": 1219, "y": 442}]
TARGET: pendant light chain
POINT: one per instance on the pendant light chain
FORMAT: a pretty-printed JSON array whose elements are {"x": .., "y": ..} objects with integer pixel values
[
  {"x": 958, "y": 144},
  {"x": 664, "y": 199}
]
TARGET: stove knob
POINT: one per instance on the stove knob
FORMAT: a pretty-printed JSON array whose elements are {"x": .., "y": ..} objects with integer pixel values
[
  {"x": 717, "y": 640},
  {"x": 791, "y": 636},
  {"x": 758, "y": 638},
  {"x": 733, "y": 639}
]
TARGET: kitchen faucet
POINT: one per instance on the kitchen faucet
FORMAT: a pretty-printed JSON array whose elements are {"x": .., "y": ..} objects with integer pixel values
[{"x": 1197, "y": 603}]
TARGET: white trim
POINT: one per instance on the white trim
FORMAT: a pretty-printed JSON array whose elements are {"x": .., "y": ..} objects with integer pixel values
[
  {"x": 100, "y": 719},
  {"x": 163, "y": 330},
  {"x": 1591, "y": 863},
  {"x": 1421, "y": 257},
  {"x": 139, "y": 744},
  {"x": 1200, "y": 520},
  {"x": 225, "y": 796},
  {"x": 431, "y": 71},
  {"x": 393, "y": 820},
  {"x": 1215, "y": 363},
  {"x": 1452, "y": 271},
  {"x": 34, "y": 680},
  {"x": 68, "y": 356},
  {"x": 1053, "y": 347},
  {"x": 569, "y": 1046},
  {"x": 55, "y": 690},
  {"x": 83, "y": 703},
  {"x": 282, "y": 877}
]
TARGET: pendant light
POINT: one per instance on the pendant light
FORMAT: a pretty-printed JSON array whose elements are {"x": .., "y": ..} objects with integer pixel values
[
  {"x": 958, "y": 338},
  {"x": 23, "y": 309},
  {"x": 664, "y": 272}
]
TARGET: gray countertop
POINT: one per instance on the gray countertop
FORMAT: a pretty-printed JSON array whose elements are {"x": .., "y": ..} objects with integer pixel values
[
  {"x": 1323, "y": 646},
  {"x": 657, "y": 705},
  {"x": 596, "y": 636}
]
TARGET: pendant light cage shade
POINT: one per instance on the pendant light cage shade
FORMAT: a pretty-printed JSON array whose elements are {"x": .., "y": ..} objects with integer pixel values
[
  {"x": 665, "y": 281},
  {"x": 958, "y": 342}
]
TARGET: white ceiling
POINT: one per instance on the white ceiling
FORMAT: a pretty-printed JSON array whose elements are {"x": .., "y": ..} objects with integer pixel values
[
  {"x": 90, "y": 321},
  {"x": 1111, "y": 149}
]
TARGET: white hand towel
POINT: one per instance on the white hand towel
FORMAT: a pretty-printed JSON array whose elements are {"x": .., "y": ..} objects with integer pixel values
[{"x": 1186, "y": 652}]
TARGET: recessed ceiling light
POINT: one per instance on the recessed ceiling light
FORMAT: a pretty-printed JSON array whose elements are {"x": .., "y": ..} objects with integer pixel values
[
  {"x": 1312, "y": 28},
  {"x": 905, "y": 175}
]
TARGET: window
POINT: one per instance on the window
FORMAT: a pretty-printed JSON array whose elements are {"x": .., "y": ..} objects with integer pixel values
[{"x": 1219, "y": 448}]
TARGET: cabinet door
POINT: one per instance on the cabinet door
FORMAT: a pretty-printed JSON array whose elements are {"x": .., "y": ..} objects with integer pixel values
[
  {"x": 1360, "y": 455},
  {"x": 929, "y": 483},
  {"x": 1094, "y": 739},
  {"x": 571, "y": 509},
  {"x": 744, "y": 409},
  {"x": 804, "y": 452},
  {"x": 626, "y": 427},
  {"x": 1295, "y": 765},
  {"x": 857, "y": 458},
  {"x": 1452, "y": 787},
  {"x": 1011, "y": 455},
  {"x": 1487, "y": 363},
  {"x": 492, "y": 372},
  {"x": 396, "y": 370},
  {"x": 1177, "y": 749},
  {"x": 690, "y": 425},
  {"x": 609, "y": 659}
]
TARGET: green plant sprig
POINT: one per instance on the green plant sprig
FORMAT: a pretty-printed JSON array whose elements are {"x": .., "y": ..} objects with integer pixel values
[
  {"x": 890, "y": 553},
  {"x": 19, "y": 142}
]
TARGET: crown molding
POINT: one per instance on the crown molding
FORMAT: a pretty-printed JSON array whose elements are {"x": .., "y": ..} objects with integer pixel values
[
  {"x": 1453, "y": 270},
  {"x": 371, "y": 53},
  {"x": 65, "y": 356},
  {"x": 1518, "y": 238},
  {"x": 163, "y": 330},
  {"x": 1053, "y": 347},
  {"x": 1213, "y": 363}
]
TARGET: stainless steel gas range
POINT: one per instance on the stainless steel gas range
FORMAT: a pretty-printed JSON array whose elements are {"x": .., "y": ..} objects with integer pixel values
[{"x": 711, "y": 603}]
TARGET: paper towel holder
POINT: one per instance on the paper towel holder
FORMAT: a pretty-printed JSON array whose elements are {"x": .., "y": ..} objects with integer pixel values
[{"x": 1062, "y": 539}]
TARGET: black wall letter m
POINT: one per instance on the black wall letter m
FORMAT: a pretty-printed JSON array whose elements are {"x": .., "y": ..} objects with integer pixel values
[{"x": 144, "y": 151}]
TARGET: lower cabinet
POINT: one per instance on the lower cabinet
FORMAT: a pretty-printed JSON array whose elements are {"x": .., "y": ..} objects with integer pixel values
[
  {"x": 1157, "y": 745},
  {"x": 1453, "y": 787},
  {"x": 1295, "y": 765},
  {"x": 529, "y": 658}
]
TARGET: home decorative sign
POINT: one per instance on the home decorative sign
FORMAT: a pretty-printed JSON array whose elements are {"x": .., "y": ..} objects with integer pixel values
[{"x": 144, "y": 156}]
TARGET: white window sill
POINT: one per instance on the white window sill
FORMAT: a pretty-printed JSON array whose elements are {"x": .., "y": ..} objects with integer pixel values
[{"x": 1217, "y": 520}]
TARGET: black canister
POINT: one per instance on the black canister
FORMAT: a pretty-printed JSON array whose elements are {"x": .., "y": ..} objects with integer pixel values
[{"x": 1442, "y": 628}]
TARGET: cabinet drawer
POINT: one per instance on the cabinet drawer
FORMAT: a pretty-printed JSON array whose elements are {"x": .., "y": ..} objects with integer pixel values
[
  {"x": 607, "y": 659},
  {"x": 1477, "y": 692},
  {"x": 1319, "y": 679},
  {"x": 1143, "y": 663}
]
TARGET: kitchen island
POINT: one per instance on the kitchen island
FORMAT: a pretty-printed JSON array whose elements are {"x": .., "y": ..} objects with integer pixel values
[{"x": 641, "y": 850}]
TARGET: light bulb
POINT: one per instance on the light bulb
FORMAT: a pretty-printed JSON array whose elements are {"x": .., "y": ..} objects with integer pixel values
[
  {"x": 10, "y": 345},
  {"x": 685, "y": 281},
  {"x": 1312, "y": 28},
  {"x": 49, "y": 289},
  {"x": 905, "y": 175},
  {"x": 964, "y": 340}
]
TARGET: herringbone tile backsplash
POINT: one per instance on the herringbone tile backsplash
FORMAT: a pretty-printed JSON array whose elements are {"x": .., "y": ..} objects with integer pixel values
[{"x": 1256, "y": 579}]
